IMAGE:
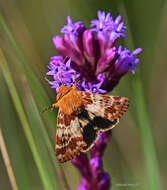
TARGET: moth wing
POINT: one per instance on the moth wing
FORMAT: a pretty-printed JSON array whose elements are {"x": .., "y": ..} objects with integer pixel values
[
  {"x": 91, "y": 126},
  {"x": 105, "y": 110},
  {"x": 69, "y": 139},
  {"x": 106, "y": 106},
  {"x": 89, "y": 129}
]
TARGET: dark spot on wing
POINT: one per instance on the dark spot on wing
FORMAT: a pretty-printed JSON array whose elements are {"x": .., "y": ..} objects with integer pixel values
[{"x": 94, "y": 125}]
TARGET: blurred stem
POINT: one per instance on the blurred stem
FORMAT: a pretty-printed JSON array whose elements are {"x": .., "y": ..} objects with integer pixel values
[
  {"x": 150, "y": 158},
  {"x": 20, "y": 111},
  {"x": 40, "y": 95},
  {"x": 23, "y": 63},
  {"x": 7, "y": 162},
  {"x": 31, "y": 110}
]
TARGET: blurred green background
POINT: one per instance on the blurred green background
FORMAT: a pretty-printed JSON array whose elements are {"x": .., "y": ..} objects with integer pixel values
[{"x": 137, "y": 153}]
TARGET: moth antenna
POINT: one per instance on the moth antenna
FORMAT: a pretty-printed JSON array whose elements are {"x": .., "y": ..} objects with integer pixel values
[
  {"x": 50, "y": 107},
  {"x": 77, "y": 80}
]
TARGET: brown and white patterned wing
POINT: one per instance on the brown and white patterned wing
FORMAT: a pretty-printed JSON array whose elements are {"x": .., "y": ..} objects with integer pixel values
[
  {"x": 105, "y": 106},
  {"x": 69, "y": 139}
]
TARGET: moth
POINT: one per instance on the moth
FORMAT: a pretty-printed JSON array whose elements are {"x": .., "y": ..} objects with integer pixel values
[{"x": 81, "y": 116}]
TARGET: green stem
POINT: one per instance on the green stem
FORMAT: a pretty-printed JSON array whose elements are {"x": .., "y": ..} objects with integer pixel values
[
  {"x": 143, "y": 122},
  {"x": 24, "y": 122},
  {"x": 150, "y": 158},
  {"x": 39, "y": 94}
]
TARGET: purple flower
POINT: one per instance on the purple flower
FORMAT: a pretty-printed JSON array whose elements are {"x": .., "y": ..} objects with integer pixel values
[
  {"x": 62, "y": 72},
  {"x": 87, "y": 54},
  {"x": 91, "y": 57},
  {"x": 92, "y": 173}
]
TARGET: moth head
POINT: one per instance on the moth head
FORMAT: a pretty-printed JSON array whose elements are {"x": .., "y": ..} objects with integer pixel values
[{"x": 63, "y": 90}]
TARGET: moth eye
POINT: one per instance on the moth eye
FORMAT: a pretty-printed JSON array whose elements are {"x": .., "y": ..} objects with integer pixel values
[
  {"x": 59, "y": 83},
  {"x": 56, "y": 70}
]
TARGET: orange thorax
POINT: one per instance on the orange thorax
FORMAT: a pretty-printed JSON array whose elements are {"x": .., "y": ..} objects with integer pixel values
[{"x": 68, "y": 100}]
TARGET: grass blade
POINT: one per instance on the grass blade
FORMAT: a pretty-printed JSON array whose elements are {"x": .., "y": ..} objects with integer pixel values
[
  {"x": 44, "y": 173},
  {"x": 7, "y": 162},
  {"x": 144, "y": 126}
]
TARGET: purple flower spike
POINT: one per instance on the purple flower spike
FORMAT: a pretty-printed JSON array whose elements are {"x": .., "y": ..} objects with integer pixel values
[
  {"x": 104, "y": 182},
  {"x": 93, "y": 52},
  {"x": 74, "y": 31},
  {"x": 100, "y": 145},
  {"x": 81, "y": 161},
  {"x": 91, "y": 57},
  {"x": 72, "y": 28},
  {"x": 103, "y": 22},
  {"x": 90, "y": 51},
  {"x": 105, "y": 62},
  {"x": 61, "y": 72},
  {"x": 95, "y": 165},
  {"x": 81, "y": 187},
  {"x": 95, "y": 88},
  {"x": 93, "y": 176}
]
